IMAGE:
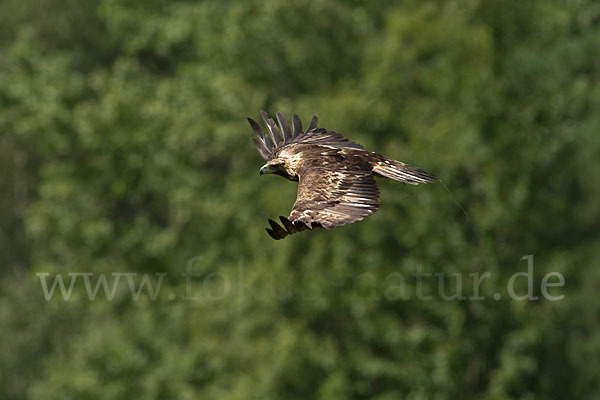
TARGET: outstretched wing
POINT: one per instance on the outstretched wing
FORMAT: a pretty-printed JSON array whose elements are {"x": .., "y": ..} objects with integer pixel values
[
  {"x": 332, "y": 198},
  {"x": 270, "y": 145},
  {"x": 331, "y": 192}
]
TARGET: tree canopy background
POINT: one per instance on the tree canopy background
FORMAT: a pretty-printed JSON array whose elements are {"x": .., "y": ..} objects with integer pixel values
[{"x": 124, "y": 149}]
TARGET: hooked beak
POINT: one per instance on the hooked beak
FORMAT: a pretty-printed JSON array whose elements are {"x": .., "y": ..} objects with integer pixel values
[{"x": 265, "y": 169}]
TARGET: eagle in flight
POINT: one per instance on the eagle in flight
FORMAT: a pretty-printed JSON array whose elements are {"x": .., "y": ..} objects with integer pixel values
[{"x": 336, "y": 183}]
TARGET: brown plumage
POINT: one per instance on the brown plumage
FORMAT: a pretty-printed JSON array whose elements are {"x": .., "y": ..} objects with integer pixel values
[{"x": 336, "y": 176}]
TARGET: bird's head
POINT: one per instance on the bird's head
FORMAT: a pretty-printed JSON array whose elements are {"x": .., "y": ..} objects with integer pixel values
[
  {"x": 282, "y": 167},
  {"x": 275, "y": 166}
]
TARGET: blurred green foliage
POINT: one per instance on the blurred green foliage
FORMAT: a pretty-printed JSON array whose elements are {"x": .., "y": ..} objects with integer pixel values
[{"x": 124, "y": 148}]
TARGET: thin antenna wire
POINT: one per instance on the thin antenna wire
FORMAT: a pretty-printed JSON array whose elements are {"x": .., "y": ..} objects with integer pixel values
[
  {"x": 454, "y": 198},
  {"x": 408, "y": 194}
]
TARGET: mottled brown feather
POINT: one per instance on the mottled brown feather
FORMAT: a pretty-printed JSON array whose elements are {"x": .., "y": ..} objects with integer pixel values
[{"x": 334, "y": 191}]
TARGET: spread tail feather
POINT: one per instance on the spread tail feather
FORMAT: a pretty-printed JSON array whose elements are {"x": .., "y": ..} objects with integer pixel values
[{"x": 401, "y": 172}]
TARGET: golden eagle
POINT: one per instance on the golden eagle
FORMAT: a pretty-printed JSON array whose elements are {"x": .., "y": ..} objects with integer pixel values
[{"x": 336, "y": 183}]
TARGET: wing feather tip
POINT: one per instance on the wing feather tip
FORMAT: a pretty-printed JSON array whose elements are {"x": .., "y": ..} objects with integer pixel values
[
  {"x": 278, "y": 229},
  {"x": 284, "y": 126},
  {"x": 313, "y": 124},
  {"x": 288, "y": 225},
  {"x": 297, "y": 125},
  {"x": 273, "y": 234},
  {"x": 272, "y": 128}
]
